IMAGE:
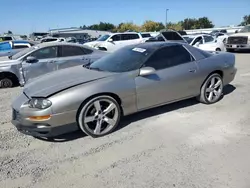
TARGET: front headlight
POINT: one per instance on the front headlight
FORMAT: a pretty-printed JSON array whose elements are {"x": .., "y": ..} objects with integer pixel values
[{"x": 39, "y": 103}]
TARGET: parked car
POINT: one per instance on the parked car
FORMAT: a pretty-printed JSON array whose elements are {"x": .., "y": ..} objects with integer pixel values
[
  {"x": 132, "y": 79},
  {"x": 167, "y": 36},
  {"x": 52, "y": 39},
  {"x": 10, "y": 38},
  {"x": 9, "y": 48},
  {"x": 221, "y": 36},
  {"x": 218, "y": 31},
  {"x": 239, "y": 41},
  {"x": 205, "y": 42},
  {"x": 115, "y": 41},
  {"x": 43, "y": 58}
]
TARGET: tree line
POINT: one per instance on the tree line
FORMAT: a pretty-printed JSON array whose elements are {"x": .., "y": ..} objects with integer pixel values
[{"x": 149, "y": 25}]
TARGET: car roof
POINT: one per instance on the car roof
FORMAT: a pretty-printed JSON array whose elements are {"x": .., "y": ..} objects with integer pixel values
[
  {"x": 155, "y": 45},
  {"x": 48, "y": 44}
]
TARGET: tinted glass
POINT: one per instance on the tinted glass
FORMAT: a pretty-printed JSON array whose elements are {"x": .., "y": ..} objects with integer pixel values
[
  {"x": 145, "y": 35},
  {"x": 103, "y": 38},
  {"x": 168, "y": 57},
  {"x": 45, "y": 53},
  {"x": 208, "y": 38},
  {"x": 87, "y": 50},
  {"x": 5, "y": 39},
  {"x": 172, "y": 36},
  {"x": 116, "y": 37},
  {"x": 129, "y": 36},
  {"x": 198, "y": 39},
  {"x": 122, "y": 60},
  {"x": 71, "y": 51}
]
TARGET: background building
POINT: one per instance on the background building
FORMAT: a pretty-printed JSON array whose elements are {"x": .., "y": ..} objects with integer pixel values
[{"x": 76, "y": 32}]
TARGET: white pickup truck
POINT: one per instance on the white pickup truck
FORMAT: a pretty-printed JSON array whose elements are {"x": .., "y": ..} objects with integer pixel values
[{"x": 239, "y": 41}]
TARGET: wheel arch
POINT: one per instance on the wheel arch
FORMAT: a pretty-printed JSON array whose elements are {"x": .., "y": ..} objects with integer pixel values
[
  {"x": 113, "y": 95},
  {"x": 10, "y": 75},
  {"x": 220, "y": 72}
]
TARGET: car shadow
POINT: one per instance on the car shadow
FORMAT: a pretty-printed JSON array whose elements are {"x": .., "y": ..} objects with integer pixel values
[
  {"x": 138, "y": 116},
  {"x": 241, "y": 52}
]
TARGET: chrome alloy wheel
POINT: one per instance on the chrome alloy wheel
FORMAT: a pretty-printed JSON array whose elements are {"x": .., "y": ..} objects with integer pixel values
[
  {"x": 214, "y": 89},
  {"x": 99, "y": 116}
]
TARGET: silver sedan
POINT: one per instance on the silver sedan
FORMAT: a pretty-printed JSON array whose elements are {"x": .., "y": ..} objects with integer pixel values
[{"x": 135, "y": 78}]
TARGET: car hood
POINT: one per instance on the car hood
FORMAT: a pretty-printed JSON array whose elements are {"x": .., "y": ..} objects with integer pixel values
[
  {"x": 5, "y": 61},
  {"x": 240, "y": 34},
  {"x": 94, "y": 43},
  {"x": 60, "y": 80}
]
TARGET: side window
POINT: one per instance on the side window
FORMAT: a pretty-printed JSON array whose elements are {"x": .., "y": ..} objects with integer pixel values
[
  {"x": 129, "y": 36},
  {"x": 45, "y": 53},
  {"x": 208, "y": 38},
  {"x": 87, "y": 51},
  {"x": 198, "y": 39},
  {"x": 116, "y": 37},
  {"x": 168, "y": 57},
  {"x": 172, "y": 35},
  {"x": 71, "y": 51}
]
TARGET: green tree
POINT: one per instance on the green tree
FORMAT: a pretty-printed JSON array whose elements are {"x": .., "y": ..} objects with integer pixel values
[
  {"x": 175, "y": 26},
  {"x": 246, "y": 20},
  {"x": 102, "y": 26},
  {"x": 128, "y": 26},
  {"x": 204, "y": 22},
  {"x": 150, "y": 25},
  {"x": 200, "y": 23}
]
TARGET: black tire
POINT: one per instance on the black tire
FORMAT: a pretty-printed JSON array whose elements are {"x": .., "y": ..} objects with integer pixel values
[
  {"x": 6, "y": 83},
  {"x": 202, "y": 97},
  {"x": 84, "y": 109},
  {"x": 230, "y": 50},
  {"x": 218, "y": 49}
]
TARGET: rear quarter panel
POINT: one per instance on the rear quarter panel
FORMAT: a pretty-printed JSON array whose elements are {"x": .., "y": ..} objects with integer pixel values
[{"x": 222, "y": 61}]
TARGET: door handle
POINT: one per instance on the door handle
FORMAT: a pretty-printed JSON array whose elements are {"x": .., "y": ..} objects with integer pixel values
[{"x": 192, "y": 70}]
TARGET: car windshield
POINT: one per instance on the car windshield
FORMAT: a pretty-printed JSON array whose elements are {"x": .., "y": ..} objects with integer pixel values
[
  {"x": 103, "y": 38},
  {"x": 22, "y": 53},
  {"x": 123, "y": 60},
  {"x": 189, "y": 39},
  {"x": 245, "y": 29}
]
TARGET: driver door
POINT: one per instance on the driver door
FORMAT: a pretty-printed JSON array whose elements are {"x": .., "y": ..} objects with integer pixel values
[
  {"x": 45, "y": 62},
  {"x": 175, "y": 78}
]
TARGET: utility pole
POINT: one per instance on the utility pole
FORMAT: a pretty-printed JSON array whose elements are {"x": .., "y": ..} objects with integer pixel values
[{"x": 166, "y": 18}]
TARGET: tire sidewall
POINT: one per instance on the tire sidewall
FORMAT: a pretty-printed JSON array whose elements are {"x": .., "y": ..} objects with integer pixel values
[
  {"x": 203, "y": 89},
  {"x": 84, "y": 107},
  {"x": 4, "y": 80}
]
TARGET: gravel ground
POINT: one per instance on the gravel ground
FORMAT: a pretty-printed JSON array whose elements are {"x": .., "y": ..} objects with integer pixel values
[{"x": 184, "y": 145}]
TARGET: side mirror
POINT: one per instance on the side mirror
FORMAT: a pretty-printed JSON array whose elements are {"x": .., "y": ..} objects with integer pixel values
[
  {"x": 31, "y": 59},
  {"x": 146, "y": 71},
  {"x": 110, "y": 40}
]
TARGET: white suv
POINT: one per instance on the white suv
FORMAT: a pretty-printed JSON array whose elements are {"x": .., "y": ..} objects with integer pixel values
[{"x": 116, "y": 41}]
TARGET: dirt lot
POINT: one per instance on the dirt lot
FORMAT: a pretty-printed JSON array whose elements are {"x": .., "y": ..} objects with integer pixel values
[{"x": 185, "y": 145}]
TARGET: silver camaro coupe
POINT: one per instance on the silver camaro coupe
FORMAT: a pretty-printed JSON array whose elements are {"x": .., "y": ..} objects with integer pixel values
[{"x": 93, "y": 98}]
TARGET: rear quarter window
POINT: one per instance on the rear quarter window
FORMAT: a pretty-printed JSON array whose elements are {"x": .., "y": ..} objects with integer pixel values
[{"x": 172, "y": 36}]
